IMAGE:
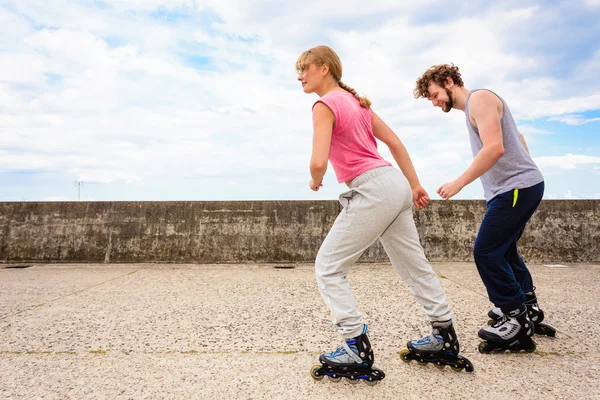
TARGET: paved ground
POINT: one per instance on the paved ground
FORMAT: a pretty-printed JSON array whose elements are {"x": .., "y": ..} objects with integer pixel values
[{"x": 144, "y": 331}]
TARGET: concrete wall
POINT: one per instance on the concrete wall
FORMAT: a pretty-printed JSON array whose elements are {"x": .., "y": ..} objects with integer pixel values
[{"x": 264, "y": 231}]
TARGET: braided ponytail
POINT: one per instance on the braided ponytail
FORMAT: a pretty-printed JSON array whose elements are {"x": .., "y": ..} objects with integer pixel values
[{"x": 364, "y": 102}]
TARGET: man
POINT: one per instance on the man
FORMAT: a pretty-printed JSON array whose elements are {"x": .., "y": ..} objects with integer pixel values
[{"x": 513, "y": 188}]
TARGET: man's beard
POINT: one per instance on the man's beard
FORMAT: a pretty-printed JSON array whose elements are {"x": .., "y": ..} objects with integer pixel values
[{"x": 448, "y": 104}]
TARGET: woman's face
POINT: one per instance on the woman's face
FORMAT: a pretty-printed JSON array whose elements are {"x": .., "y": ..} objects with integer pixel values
[{"x": 311, "y": 77}]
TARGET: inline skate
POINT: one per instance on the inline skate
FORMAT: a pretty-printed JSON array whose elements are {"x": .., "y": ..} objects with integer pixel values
[
  {"x": 512, "y": 332},
  {"x": 536, "y": 315},
  {"x": 353, "y": 360},
  {"x": 440, "y": 348}
]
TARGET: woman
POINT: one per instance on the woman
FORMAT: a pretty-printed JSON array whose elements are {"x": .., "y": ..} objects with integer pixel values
[{"x": 377, "y": 206}]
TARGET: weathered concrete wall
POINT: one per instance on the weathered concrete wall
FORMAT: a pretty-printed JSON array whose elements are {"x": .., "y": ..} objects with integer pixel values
[
  {"x": 264, "y": 231},
  {"x": 559, "y": 231}
]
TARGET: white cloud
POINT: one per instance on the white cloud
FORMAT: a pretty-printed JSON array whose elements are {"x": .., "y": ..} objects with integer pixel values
[
  {"x": 574, "y": 119},
  {"x": 108, "y": 94},
  {"x": 22, "y": 68},
  {"x": 150, "y": 5},
  {"x": 569, "y": 161}
]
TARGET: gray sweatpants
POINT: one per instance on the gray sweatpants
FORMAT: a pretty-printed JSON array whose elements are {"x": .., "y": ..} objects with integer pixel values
[{"x": 377, "y": 206}]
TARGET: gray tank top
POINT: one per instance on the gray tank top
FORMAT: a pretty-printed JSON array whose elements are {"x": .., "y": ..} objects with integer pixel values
[{"x": 515, "y": 169}]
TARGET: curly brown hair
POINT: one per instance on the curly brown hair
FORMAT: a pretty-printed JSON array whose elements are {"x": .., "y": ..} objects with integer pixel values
[{"x": 438, "y": 74}]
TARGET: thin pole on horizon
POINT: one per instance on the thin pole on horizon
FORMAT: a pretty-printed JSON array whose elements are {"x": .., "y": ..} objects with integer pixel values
[{"x": 79, "y": 183}]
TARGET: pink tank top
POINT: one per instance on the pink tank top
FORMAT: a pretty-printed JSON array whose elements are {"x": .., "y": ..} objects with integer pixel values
[{"x": 353, "y": 146}]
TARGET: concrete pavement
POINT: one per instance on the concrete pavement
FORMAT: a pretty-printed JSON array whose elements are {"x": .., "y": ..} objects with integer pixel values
[{"x": 170, "y": 331}]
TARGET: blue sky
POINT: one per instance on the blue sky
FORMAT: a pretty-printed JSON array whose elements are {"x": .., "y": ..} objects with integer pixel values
[{"x": 198, "y": 100}]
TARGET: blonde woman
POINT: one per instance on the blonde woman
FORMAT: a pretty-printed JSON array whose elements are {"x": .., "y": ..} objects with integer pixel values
[{"x": 378, "y": 205}]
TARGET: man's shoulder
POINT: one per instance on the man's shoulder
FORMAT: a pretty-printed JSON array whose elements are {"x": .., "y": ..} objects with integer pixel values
[
  {"x": 482, "y": 99},
  {"x": 479, "y": 95}
]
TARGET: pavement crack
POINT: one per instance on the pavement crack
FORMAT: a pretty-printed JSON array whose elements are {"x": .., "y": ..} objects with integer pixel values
[
  {"x": 67, "y": 295},
  {"x": 463, "y": 286}
]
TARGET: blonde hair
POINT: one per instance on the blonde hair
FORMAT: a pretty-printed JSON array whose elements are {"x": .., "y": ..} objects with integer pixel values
[{"x": 321, "y": 55}]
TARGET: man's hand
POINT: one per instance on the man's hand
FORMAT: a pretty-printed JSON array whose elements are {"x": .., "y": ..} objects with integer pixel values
[
  {"x": 449, "y": 189},
  {"x": 420, "y": 197},
  {"x": 314, "y": 186}
]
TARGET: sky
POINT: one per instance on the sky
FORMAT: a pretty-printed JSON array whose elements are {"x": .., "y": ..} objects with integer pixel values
[{"x": 152, "y": 100}]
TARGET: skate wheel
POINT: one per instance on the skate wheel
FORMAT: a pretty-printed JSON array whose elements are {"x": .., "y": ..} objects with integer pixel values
[
  {"x": 422, "y": 362},
  {"x": 439, "y": 365},
  {"x": 491, "y": 322},
  {"x": 482, "y": 347},
  {"x": 334, "y": 378},
  {"x": 526, "y": 345},
  {"x": 371, "y": 381},
  {"x": 352, "y": 380},
  {"x": 532, "y": 348},
  {"x": 456, "y": 367},
  {"x": 374, "y": 376},
  {"x": 463, "y": 363},
  {"x": 404, "y": 356},
  {"x": 314, "y": 372}
]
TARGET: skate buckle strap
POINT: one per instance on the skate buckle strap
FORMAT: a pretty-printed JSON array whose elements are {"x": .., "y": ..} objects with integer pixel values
[
  {"x": 425, "y": 340},
  {"x": 340, "y": 351},
  {"x": 351, "y": 353},
  {"x": 500, "y": 321},
  {"x": 429, "y": 339}
]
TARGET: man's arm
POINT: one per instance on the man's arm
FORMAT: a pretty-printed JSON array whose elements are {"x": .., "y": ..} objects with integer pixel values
[{"x": 484, "y": 110}]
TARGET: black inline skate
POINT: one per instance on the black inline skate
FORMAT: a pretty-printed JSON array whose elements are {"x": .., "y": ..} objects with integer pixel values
[
  {"x": 353, "y": 360},
  {"x": 440, "y": 348},
  {"x": 512, "y": 332},
  {"x": 536, "y": 315}
]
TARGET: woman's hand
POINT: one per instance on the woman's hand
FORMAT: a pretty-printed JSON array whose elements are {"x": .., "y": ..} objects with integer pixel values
[
  {"x": 420, "y": 197},
  {"x": 314, "y": 186}
]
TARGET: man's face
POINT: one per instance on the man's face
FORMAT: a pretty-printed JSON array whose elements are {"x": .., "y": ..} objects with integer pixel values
[{"x": 440, "y": 97}]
